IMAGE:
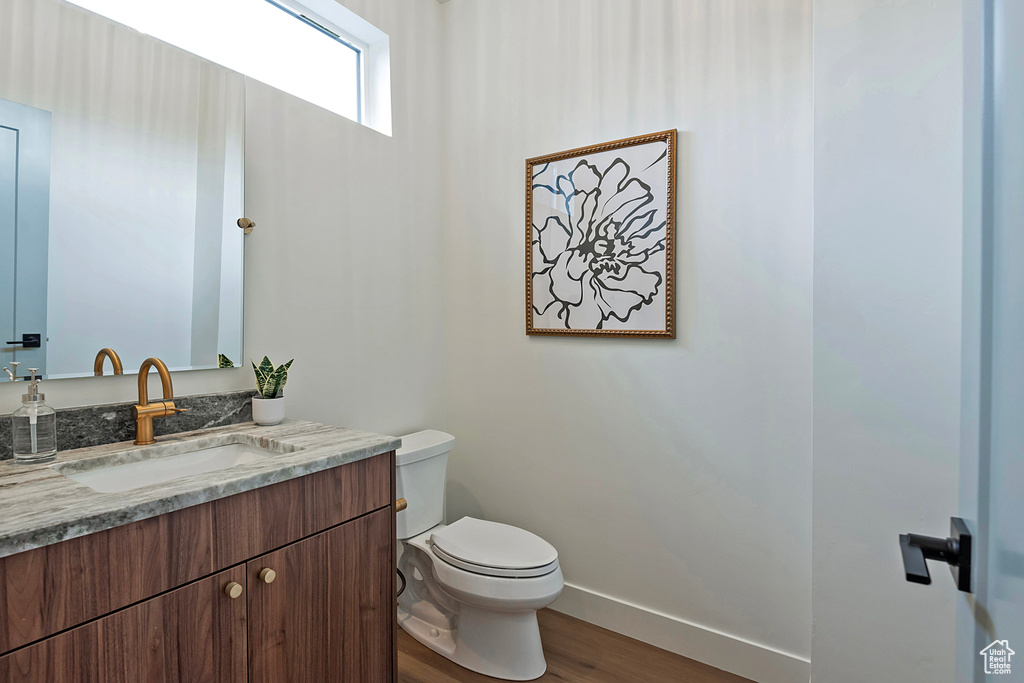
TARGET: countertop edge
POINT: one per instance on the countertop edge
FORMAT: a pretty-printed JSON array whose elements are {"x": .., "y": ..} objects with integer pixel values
[{"x": 91, "y": 523}]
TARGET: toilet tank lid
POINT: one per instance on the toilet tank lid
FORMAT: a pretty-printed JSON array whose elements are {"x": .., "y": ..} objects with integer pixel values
[{"x": 420, "y": 445}]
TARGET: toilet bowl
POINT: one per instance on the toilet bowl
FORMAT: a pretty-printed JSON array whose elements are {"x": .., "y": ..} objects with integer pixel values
[{"x": 473, "y": 587}]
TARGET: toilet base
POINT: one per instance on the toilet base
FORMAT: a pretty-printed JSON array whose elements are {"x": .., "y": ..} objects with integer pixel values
[{"x": 502, "y": 645}]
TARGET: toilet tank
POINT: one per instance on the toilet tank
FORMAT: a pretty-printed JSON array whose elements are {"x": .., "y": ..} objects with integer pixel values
[{"x": 420, "y": 466}]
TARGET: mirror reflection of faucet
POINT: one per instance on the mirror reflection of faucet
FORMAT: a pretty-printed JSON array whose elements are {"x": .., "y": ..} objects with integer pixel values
[
  {"x": 115, "y": 362},
  {"x": 13, "y": 376}
]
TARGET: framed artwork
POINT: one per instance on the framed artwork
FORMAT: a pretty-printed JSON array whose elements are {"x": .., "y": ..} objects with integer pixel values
[{"x": 600, "y": 239}]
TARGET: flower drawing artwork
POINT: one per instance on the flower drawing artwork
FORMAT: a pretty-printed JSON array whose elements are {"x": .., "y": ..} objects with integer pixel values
[{"x": 600, "y": 238}]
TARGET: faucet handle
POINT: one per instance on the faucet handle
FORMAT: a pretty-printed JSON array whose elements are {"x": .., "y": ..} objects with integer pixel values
[{"x": 181, "y": 410}]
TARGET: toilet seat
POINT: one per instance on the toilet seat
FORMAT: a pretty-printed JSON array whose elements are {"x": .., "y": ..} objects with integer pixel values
[
  {"x": 493, "y": 549},
  {"x": 493, "y": 571},
  {"x": 492, "y": 592}
]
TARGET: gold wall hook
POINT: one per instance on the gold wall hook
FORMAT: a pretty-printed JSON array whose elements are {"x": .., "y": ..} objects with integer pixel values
[
  {"x": 246, "y": 225},
  {"x": 115, "y": 361}
]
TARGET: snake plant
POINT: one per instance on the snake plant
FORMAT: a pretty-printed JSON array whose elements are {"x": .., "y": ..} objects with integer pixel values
[{"x": 270, "y": 380}]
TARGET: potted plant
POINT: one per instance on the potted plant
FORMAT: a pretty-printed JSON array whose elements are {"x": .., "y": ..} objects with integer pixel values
[{"x": 268, "y": 406}]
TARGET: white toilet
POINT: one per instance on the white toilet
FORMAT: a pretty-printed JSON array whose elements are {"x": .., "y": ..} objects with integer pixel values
[{"x": 473, "y": 587}]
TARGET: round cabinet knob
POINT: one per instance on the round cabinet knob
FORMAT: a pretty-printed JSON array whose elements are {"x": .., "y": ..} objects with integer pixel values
[
  {"x": 267, "y": 575},
  {"x": 233, "y": 590},
  {"x": 401, "y": 504}
]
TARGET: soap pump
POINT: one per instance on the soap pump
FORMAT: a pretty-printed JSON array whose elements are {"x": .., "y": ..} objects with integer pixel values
[{"x": 34, "y": 426}]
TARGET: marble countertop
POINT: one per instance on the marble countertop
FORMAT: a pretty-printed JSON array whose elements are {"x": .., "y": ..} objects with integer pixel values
[{"x": 39, "y": 506}]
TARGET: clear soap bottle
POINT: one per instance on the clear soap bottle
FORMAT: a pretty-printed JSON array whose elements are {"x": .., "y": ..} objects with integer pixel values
[{"x": 34, "y": 426}]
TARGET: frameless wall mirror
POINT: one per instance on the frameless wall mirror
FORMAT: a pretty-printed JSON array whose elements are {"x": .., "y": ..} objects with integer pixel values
[{"x": 121, "y": 179}]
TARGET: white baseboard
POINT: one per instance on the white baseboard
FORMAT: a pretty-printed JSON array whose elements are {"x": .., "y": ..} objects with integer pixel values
[{"x": 742, "y": 657}]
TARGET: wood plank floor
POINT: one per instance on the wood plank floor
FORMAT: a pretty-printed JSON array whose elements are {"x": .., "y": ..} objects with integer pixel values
[{"x": 576, "y": 651}]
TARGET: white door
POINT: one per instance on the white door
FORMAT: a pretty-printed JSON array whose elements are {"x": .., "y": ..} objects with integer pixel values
[
  {"x": 24, "y": 233},
  {"x": 990, "y": 628}
]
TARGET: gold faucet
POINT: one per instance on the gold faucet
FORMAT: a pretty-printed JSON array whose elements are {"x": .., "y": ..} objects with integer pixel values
[
  {"x": 115, "y": 360},
  {"x": 144, "y": 413}
]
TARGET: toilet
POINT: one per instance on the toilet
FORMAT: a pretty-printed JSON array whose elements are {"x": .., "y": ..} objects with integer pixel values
[{"x": 473, "y": 587}]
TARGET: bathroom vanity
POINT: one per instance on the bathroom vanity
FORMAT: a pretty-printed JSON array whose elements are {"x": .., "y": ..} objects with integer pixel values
[{"x": 277, "y": 568}]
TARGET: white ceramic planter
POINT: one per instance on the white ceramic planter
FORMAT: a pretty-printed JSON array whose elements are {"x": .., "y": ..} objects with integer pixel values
[{"x": 267, "y": 411}]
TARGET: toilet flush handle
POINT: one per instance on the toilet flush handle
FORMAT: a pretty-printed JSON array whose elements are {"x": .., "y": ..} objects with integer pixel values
[{"x": 401, "y": 504}]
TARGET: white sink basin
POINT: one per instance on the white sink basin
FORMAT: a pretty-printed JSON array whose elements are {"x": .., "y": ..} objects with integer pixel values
[{"x": 162, "y": 463}]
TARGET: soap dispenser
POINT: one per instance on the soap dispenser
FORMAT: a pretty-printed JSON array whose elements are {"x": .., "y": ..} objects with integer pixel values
[{"x": 34, "y": 426}]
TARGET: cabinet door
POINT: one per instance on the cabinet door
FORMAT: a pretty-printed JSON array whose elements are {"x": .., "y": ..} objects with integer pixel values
[
  {"x": 328, "y": 614},
  {"x": 195, "y": 634}
]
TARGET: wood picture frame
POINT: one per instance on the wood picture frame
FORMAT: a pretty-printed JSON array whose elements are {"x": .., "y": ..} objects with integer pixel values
[{"x": 600, "y": 239}]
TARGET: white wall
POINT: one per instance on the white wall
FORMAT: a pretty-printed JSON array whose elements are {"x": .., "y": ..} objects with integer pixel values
[
  {"x": 887, "y": 277},
  {"x": 673, "y": 476},
  {"x": 344, "y": 270}
]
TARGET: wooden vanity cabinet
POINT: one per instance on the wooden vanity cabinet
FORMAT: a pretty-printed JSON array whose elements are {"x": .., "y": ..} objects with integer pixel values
[
  {"x": 194, "y": 633},
  {"x": 316, "y": 625},
  {"x": 325, "y": 615}
]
